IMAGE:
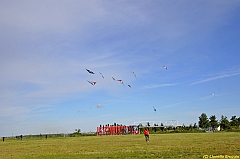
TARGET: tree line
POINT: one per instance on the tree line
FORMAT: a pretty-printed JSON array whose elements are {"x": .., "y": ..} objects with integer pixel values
[{"x": 212, "y": 122}]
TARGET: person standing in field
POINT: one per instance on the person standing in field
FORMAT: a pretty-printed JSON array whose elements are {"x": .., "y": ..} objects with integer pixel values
[{"x": 146, "y": 134}]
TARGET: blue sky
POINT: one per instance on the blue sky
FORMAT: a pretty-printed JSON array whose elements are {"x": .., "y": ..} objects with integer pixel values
[{"x": 47, "y": 45}]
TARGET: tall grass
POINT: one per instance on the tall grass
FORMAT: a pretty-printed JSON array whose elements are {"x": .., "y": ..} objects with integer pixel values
[{"x": 176, "y": 145}]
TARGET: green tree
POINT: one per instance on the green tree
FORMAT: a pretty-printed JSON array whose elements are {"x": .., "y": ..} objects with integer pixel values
[
  {"x": 234, "y": 121},
  {"x": 195, "y": 126},
  {"x": 238, "y": 121},
  {"x": 224, "y": 123},
  {"x": 162, "y": 127},
  {"x": 203, "y": 121},
  {"x": 213, "y": 122},
  {"x": 190, "y": 127},
  {"x": 148, "y": 124},
  {"x": 78, "y": 131}
]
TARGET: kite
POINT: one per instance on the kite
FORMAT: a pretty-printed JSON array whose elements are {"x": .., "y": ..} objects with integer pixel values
[
  {"x": 101, "y": 74},
  {"x": 134, "y": 74},
  {"x": 89, "y": 71},
  {"x": 121, "y": 81},
  {"x": 113, "y": 79},
  {"x": 213, "y": 94},
  {"x": 92, "y": 83},
  {"x": 165, "y": 67},
  {"x": 154, "y": 109},
  {"x": 99, "y": 105},
  {"x": 129, "y": 85}
]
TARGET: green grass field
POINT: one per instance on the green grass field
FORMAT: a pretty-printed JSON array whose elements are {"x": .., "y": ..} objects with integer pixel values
[{"x": 177, "y": 145}]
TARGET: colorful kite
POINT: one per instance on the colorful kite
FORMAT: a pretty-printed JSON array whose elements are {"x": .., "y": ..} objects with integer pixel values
[
  {"x": 134, "y": 74},
  {"x": 92, "y": 83},
  {"x": 89, "y": 71},
  {"x": 165, "y": 67},
  {"x": 121, "y": 81}
]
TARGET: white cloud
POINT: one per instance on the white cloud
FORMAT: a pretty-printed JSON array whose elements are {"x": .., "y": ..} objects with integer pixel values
[
  {"x": 160, "y": 85},
  {"x": 216, "y": 77}
]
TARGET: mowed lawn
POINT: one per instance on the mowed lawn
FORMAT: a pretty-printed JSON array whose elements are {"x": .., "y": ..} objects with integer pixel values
[{"x": 178, "y": 145}]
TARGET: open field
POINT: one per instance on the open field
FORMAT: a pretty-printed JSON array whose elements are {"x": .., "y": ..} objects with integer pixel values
[{"x": 178, "y": 145}]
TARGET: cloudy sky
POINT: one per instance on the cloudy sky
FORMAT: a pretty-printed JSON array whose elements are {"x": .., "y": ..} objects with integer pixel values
[{"x": 46, "y": 47}]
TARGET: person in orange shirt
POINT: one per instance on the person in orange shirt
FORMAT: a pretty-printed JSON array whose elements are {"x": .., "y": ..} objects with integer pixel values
[{"x": 146, "y": 134}]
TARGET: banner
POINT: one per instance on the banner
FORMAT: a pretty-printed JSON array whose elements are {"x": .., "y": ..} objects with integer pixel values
[{"x": 117, "y": 130}]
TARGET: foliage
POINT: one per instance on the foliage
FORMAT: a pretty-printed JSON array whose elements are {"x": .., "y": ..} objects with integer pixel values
[
  {"x": 213, "y": 122},
  {"x": 224, "y": 123},
  {"x": 234, "y": 121},
  {"x": 203, "y": 121},
  {"x": 195, "y": 126}
]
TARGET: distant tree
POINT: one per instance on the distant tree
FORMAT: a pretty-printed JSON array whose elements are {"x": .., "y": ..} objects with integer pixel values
[
  {"x": 224, "y": 123},
  {"x": 238, "y": 121},
  {"x": 162, "y": 127},
  {"x": 203, "y": 121},
  {"x": 77, "y": 132},
  {"x": 148, "y": 124},
  {"x": 182, "y": 128},
  {"x": 234, "y": 121},
  {"x": 213, "y": 122},
  {"x": 195, "y": 126},
  {"x": 170, "y": 128},
  {"x": 190, "y": 127}
]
